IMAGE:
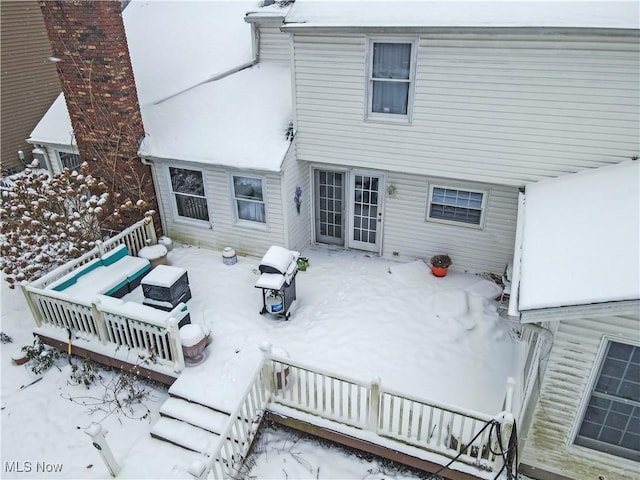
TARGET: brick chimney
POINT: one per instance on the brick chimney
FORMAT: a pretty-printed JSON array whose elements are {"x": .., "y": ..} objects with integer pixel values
[{"x": 89, "y": 41}]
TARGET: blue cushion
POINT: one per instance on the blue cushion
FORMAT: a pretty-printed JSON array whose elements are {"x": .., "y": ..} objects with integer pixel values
[
  {"x": 119, "y": 290},
  {"x": 135, "y": 276},
  {"x": 82, "y": 270},
  {"x": 114, "y": 255},
  {"x": 66, "y": 284}
]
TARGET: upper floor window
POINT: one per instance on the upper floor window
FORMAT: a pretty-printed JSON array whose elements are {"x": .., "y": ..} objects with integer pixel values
[
  {"x": 249, "y": 198},
  {"x": 189, "y": 196},
  {"x": 69, "y": 160},
  {"x": 453, "y": 205},
  {"x": 391, "y": 79},
  {"x": 611, "y": 422}
]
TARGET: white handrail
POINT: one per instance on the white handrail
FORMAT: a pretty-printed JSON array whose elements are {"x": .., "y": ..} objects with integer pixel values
[
  {"x": 447, "y": 408},
  {"x": 230, "y": 451},
  {"x": 320, "y": 371},
  {"x": 384, "y": 411},
  {"x": 142, "y": 228}
]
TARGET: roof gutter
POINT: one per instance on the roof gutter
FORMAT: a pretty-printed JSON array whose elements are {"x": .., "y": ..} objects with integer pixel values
[{"x": 475, "y": 30}]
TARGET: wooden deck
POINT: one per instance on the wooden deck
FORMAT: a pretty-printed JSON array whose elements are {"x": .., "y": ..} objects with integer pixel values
[
  {"x": 110, "y": 361},
  {"x": 365, "y": 446}
]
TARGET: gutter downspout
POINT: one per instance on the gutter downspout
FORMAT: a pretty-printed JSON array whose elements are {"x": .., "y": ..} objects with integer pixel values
[{"x": 146, "y": 161}]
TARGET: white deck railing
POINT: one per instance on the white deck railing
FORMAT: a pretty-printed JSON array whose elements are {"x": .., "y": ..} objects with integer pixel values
[
  {"x": 225, "y": 460},
  {"x": 92, "y": 320},
  {"x": 160, "y": 339},
  {"x": 320, "y": 393},
  {"x": 448, "y": 431},
  {"x": 438, "y": 428},
  {"x": 135, "y": 237}
]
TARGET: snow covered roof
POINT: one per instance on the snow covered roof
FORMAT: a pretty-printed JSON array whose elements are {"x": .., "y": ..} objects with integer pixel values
[
  {"x": 276, "y": 10},
  {"x": 55, "y": 126},
  {"x": 617, "y": 14},
  {"x": 581, "y": 238},
  {"x": 186, "y": 116},
  {"x": 191, "y": 42},
  {"x": 239, "y": 121}
]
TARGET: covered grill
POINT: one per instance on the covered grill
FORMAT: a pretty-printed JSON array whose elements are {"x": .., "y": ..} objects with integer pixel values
[{"x": 278, "y": 269}]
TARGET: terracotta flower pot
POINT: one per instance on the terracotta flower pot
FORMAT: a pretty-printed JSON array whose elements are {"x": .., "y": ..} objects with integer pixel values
[{"x": 439, "y": 272}]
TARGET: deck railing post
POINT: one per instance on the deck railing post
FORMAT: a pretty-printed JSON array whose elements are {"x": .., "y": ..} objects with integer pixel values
[
  {"x": 31, "y": 304},
  {"x": 150, "y": 231},
  {"x": 101, "y": 325},
  {"x": 97, "y": 434},
  {"x": 268, "y": 367},
  {"x": 175, "y": 345},
  {"x": 508, "y": 397},
  {"x": 100, "y": 247},
  {"x": 374, "y": 404}
]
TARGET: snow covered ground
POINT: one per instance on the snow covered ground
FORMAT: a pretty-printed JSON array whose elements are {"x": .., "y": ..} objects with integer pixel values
[{"x": 356, "y": 314}]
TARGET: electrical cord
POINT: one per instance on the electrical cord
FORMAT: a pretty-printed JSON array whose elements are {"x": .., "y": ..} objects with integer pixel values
[{"x": 508, "y": 458}]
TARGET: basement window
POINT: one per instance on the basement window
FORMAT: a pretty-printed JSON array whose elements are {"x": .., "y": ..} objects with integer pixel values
[
  {"x": 455, "y": 206},
  {"x": 611, "y": 421},
  {"x": 189, "y": 196}
]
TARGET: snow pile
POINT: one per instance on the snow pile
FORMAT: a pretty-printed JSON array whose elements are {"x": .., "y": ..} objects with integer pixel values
[{"x": 190, "y": 335}]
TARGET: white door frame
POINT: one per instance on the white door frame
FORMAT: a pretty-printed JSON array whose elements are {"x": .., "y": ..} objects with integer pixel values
[
  {"x": 377, "y": 217},
  {"x": 349, "y": 182}
]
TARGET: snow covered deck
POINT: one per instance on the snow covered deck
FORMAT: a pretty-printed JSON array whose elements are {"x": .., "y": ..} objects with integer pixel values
[
  {"x": 358, "y": 316},
  {"x": 440, "y": 349}
]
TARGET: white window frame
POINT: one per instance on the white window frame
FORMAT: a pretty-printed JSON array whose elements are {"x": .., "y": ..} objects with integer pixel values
[
  {"x": 390, "y": 117},
  {"x": 234, "y": 201},
  {"x": 60, "y": 153},
  {"x": 590, "y": 387},
  {"x": 483, "y": 207},
  {"x": 174, "y": 204}
]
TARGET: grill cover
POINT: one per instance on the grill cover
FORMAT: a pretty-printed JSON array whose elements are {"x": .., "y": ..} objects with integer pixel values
[{"x": 279, "y": 260}]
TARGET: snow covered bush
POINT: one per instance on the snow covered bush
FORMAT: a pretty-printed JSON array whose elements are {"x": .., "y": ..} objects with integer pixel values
[
  {"x": 87, "y": 373},
  {"x": 40, "y": 357},
  {"x": 46, "y": 221},
  {"x": 113, "y": 391}
]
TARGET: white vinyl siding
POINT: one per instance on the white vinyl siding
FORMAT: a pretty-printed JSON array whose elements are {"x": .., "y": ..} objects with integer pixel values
[
  {"x": 572, "y": 365},
  {"x": 298, "y": 225},
  {"x": 223, "y": 230},
  {"x": 274, "y": 44},
  {"x": 484, "y": 250},
  {"x": 492, "y": 109}
]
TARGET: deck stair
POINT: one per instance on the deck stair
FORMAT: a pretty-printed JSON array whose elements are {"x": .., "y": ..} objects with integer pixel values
[{"x": 190, "y": 425}]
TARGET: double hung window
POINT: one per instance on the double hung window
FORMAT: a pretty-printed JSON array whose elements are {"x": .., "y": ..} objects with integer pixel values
[
  {"x": 189, "y": 193},
  {"x": 249, "y": 198},
  {"x": 391, "y": 78}
]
